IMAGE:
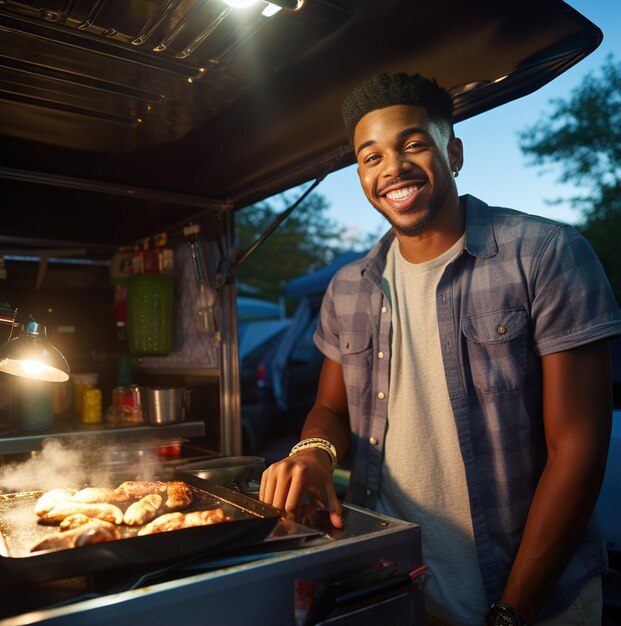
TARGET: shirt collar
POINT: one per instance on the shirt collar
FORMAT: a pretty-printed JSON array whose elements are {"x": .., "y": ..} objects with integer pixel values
[{"x": 480, "y": 238}]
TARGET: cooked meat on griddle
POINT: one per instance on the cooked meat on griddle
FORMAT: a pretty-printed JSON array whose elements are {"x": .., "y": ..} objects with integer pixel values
[
  {"x": 168, "y": 521},
  {"x": 50, "y": 499},
  {"x": 144, "y": 510},
  {"x": 91, "y": 495},
  {"x": 152, "y": 498},
  {"x": 179, "y": 495},
  {"x": 178, "y": 520},
  {"x": 204, "y": 518},
  {"x": 140, "y": 488},
  {"x": 96, "y": 510},
  {"x": 75, "y": 520},
  {"x": 94, "y": 531}
]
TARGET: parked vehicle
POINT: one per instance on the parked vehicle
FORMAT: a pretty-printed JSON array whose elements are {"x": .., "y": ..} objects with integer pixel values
[{"x": 258, "y": 321}]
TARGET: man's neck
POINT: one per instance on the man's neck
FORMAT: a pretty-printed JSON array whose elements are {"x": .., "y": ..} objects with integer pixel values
[{"x": 436, "y": 239}]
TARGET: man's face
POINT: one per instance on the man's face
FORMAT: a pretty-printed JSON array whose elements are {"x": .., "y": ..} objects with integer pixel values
[{"x": 405, "y": 165}]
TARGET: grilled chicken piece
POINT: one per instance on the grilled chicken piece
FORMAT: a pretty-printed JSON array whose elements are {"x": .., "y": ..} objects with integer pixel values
[
  {"x": 90, "y": 495},
  {"x": 96, "y": 510},
  {"x": 73, "y": 521},
  {"x": 94, "y": 531},
  {"x": 144, "y": 510},
  {"x": 140, "y": 488},
  {"x": 179, "y": 495},
  {"x": 168, "y": 521},
  {"x": 204, "y": 518},
  {"x": 50, "y": 499},
  {"x": 178, "y": 520}
]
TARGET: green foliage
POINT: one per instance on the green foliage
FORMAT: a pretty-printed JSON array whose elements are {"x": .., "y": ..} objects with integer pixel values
[
  {"x": 583, "y": 137},
  {"x": 305, "y": 241}
]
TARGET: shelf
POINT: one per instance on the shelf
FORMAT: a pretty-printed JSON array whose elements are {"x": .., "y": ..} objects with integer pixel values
[{"x": 28, "y": 442}]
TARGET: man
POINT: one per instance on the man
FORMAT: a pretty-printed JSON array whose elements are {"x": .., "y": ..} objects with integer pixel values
[{"x": 466, "y": 376}]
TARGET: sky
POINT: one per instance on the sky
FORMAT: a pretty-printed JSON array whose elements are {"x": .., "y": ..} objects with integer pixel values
[{"x": 495, "y": 170}]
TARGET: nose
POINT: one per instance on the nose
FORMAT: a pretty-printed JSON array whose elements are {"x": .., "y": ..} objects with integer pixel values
[{"x": 396, "y": 163}]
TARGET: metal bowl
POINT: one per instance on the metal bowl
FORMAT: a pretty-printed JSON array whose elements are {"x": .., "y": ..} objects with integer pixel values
[
  {"x": 164, "y": 405},
  {"x": 232, "y": 471}
]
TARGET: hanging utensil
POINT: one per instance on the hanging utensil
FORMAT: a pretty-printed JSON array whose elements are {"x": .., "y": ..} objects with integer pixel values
[{"x": 206, "y": 296}]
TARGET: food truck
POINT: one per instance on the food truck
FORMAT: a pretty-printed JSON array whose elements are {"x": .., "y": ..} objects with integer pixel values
[{"x": 131, "y": 134}]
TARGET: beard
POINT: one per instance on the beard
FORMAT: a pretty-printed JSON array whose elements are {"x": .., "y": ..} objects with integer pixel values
[{"x": 416, "y": 228}]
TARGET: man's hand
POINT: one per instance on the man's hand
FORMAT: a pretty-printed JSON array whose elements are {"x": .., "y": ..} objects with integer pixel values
[{"x": 286, "y": 484}]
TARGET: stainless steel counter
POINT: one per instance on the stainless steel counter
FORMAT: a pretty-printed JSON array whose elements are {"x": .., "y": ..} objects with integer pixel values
[{"x": 256, "y": 586}]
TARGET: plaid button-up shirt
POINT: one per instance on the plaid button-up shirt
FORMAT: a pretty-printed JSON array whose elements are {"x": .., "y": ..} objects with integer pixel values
[{"x": 523, "y": 287}]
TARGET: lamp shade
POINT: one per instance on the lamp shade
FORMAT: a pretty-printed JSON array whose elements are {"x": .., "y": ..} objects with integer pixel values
[{"x": 31, "y": 355}]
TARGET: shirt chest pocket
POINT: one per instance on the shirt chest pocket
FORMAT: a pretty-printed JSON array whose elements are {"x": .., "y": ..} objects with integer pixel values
[
  {"x": 497, "y": 345},
  {"x": 356, "y": 354}
]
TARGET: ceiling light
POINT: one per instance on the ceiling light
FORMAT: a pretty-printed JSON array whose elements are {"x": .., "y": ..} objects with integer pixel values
[
  {"x": 240, "y": 4},
  {"x": 270, "y": 9}
]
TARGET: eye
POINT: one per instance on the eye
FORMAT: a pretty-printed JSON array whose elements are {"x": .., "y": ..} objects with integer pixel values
[
  {"x": 369, "y": 159},
  {"x": 414, "y": 146}
]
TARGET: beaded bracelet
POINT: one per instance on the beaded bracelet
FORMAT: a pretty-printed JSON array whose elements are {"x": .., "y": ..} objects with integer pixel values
[{"x": 316, "y": 442}]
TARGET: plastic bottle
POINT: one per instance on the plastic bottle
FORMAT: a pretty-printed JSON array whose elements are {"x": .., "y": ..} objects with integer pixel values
[
  {"x": 80, "y": 384},
  {"x": 150, "y": 310},
  {"x": 91, "y": 406}
]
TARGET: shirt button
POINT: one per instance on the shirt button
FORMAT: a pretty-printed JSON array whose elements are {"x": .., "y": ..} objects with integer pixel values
[
  {"x": 384, "y": 309},
  {"x": 380, "y": 395},
  {"x": 373, "y": 441},
  {"x": 369, "y": 492},
  {"x": 380, "y": 355},
  {"x": 501, "y": 330}
]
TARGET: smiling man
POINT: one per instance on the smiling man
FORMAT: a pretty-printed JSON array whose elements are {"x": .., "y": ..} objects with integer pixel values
[{"x": 466, "y": 377}]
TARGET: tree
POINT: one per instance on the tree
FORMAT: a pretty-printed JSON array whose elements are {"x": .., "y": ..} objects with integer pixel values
[
  {"x": 306, "y": 240},
  {"x": 583, "y": 136}
]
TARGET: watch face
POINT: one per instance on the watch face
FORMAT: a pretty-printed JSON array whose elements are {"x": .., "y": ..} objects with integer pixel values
[
  {"x": 504, "y": 619},
  {"x": 501, "y": 616}
]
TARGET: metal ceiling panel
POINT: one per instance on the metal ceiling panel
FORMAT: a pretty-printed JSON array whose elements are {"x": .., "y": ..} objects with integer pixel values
[{"x": 149, "y": 111}]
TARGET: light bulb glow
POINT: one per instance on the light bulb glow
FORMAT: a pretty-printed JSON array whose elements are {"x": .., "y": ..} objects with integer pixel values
[
  {"x": 240, "y": 4},
  {"x": 33, "y": 369},
  {"x": 270, "y": 9}
]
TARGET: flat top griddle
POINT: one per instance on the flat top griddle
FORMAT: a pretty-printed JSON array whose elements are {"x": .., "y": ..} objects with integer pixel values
[{"x": 251, "y": 521}]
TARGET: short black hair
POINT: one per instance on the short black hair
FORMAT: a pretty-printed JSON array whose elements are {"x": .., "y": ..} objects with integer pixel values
[{"x": 384, "y": 90}]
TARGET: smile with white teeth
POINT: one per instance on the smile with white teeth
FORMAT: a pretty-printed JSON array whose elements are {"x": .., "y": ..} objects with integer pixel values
[{"x": 401, "y": 194}]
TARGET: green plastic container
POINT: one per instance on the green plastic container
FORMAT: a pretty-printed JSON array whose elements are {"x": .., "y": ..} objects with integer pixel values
[{"x": 150, "y": 314}]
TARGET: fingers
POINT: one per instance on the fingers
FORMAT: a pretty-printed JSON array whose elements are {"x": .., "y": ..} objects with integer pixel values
[
  {"x": 266, "y": 490},
  {"x": 277, "y": 483},
  {"x": 334, "y": 506},
  {"x": 285, "y": 484}
]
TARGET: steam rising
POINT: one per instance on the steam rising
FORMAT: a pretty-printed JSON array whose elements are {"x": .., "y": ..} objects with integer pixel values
[{"x": 78, "y": 464}]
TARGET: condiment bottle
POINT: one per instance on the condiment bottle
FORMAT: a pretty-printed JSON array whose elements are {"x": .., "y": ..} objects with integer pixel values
[
  {"x": 91, "y": 406},
  {"x": 80, "y": 383}
]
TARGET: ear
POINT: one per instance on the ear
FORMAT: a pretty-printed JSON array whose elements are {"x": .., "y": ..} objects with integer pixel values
[{"x": 456, "y": 154}]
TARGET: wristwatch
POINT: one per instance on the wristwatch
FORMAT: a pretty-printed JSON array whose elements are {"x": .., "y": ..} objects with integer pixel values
[{"x": 503, "y": 615}]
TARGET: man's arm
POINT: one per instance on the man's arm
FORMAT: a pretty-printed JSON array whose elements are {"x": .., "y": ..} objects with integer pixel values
[
  {"x": 284, "y": 484},
  {"x": 577, "y": 410}
]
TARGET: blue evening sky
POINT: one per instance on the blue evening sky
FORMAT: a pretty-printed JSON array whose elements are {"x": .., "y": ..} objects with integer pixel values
[{"x": 494, "y": 168}]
